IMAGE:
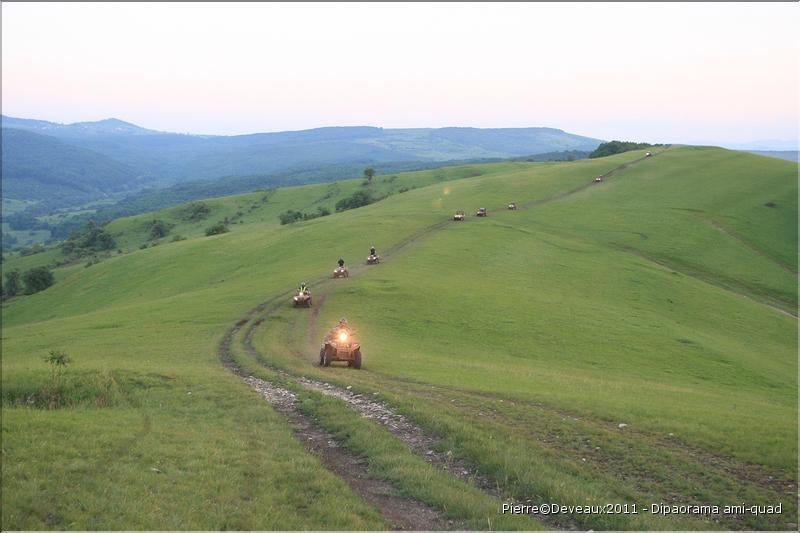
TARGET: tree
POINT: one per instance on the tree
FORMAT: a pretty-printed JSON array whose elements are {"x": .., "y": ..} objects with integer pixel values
[
  {"x": 11, "y": 287},
  {"x": 369, "y": 172},
  {"x": 37, "y": 279}
]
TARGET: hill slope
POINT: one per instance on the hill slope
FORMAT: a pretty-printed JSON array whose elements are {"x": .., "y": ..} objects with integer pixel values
[
  {"x": 168, "y": 158},
  {"x": 39, "y": 167},
  {"x": 630, "y": 340}
]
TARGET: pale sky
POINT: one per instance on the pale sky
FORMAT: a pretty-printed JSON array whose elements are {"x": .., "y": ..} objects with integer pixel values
[{"x": 715, "y": 72}]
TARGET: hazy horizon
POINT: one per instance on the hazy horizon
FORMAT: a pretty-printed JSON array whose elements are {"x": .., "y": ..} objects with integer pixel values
[{"x": 680, "y": 73}]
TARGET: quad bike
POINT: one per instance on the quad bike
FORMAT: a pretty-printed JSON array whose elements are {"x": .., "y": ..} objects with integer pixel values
[
  {"x": 302, "y": 299},
  {"x": 341, "y": 348},
  {"x": 648, "y": 154},
  {"x": 373, "y": 259},
  {"x": 481, "y": 212},
  {"x": 341, "y": 272},
  {"x": 598, "y": 179},
  {"x": 459, "y": 216},
  {"x": 512, "y": 206}
]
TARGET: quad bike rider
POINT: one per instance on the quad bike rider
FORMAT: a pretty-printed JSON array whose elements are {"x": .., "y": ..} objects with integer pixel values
[
  {"x": 302, "y": 297},
  {"x": 373, "y": 257},
  {"x": 340, "y": 346},
  {"x": 341, "y": 270}
]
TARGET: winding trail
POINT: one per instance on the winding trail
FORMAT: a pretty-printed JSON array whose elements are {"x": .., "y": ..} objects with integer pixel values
[{"x": 403, "y": 513}]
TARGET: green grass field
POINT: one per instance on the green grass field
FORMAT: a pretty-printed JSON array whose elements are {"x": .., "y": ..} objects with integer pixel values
[{"x": 664, "y": 298}]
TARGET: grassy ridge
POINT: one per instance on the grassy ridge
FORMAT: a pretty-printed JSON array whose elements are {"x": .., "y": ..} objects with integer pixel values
[{"x": 561, "y": 308}]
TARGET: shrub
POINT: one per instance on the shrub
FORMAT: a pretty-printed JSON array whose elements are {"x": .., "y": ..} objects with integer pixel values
[
  {"x": 12, "y": 285},
  {"x": 287, "y": 217},
  {"x": 34, "y": 249},
  {"x": 158, "y": 228},
  {"x": 94, "y": 238},
  {"x": 618, "y": 147},
  {"x": 291, "y": 215},
  {"x": 355, "y": 200},
  {"x": 195, "y": 211},
  {"x": 37, "y": 279},
  {"x": 216, "y": 229}
]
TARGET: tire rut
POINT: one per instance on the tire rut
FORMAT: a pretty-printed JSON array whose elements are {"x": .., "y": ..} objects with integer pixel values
[
  {"x": 408, "y": 514},
  {"x": 401, "y": 513},
  {"x": 420, "y": 442}
]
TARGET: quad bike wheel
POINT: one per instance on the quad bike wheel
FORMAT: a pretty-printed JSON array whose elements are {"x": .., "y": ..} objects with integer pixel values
[
  {"x": 327, "y": 357},
  {"x": 357, "y": 359}
]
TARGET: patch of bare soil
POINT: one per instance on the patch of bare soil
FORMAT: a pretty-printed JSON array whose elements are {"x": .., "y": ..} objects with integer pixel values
[{"x": 402, "y": 513}]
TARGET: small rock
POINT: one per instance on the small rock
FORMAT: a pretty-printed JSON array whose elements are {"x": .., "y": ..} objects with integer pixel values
[
  {"x": 190, "y": 392},
  {"x": 583, "y": 459},
  {"x": 156, "y": 470},
  {"x": 623, "y": 426},
  {"x": 672, "y": 434},
  {"x": 349, "y": 387}
]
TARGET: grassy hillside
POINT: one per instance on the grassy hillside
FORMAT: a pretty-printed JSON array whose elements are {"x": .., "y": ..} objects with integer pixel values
[
  {"x": 662, "y": 299},
  {"x": 159, "y": 159},
  {"x": 39, "y": 167}
]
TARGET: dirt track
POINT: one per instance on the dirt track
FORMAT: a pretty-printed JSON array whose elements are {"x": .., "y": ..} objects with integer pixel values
[{"x": 403, "y": 513}]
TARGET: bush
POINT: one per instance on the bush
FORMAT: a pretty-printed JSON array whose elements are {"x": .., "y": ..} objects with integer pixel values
[
  {"x": 37, "y": 279},
  {"x": 94, "y": 238},
  {"x": 291, "y": 215},
  {"x": 177, "y": 238},
  {"x": 216, "y": 229},
  {"x": 287, "y": 217},
  {"x": 195, "y": 211},
  {"x": 12, "y": 285},
  {"x": 158, "y": 228},
  {"x": 618, "y": 147},
  {"x": 34, "y": 249},
  {"x": 355, "y": 200}
]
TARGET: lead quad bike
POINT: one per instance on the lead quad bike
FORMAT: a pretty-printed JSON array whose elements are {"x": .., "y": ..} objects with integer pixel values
[
  {"x": 373, "y": 259},
  {"x": 341, "y": 347},
  {"x": 341, "y": 272},
  {"x": 481, "y": 212}
]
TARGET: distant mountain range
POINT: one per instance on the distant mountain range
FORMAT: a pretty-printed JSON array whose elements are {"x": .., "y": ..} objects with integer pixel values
[{"x": 85, "y": 161}]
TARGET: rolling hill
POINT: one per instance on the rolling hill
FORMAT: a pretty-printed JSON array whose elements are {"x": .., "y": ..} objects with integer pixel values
[
  {"x": 39, "y": 167},
  {"x": 161, "y": 159},
  {"x": 629, "y": 341}
]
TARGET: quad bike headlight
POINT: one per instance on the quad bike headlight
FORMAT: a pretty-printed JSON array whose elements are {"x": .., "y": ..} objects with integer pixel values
[{"x": 342, "y": 336}]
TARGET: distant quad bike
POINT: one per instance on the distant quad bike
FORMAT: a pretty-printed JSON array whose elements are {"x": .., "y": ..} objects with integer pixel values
[
  {"x": 481, "y": 212},
  {"x": 598, "y": 179},
  {"x": 459, "y": 216},
  {"x": 648, "y": 154},
  {"x": 302, "y": 299},
  {"x": 341, "y": 348},
  {"x": 512, "y": 206},
  {"x": 341, "y": 272},
  {"x": 373, "y": 259}
]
